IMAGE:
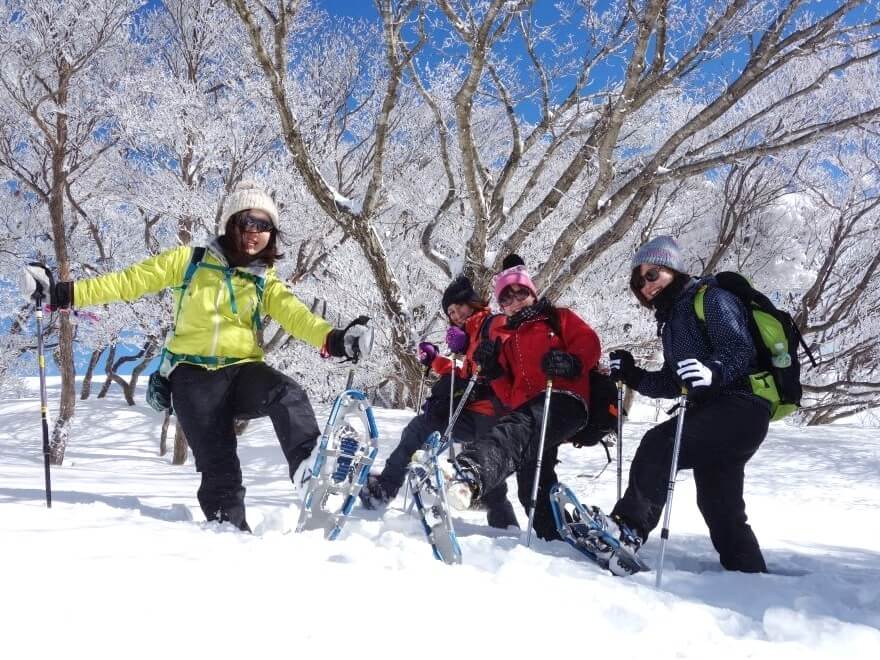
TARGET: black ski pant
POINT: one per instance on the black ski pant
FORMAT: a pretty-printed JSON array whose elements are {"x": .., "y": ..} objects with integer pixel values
[
  {"x": 207, "y": 402},
  {"x": 511, "y": 447},
  {"x": 469, "y": 427},
  {"x": 718, "y": 439}
]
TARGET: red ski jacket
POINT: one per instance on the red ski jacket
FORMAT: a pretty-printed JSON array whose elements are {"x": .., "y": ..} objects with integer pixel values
[
  {"x": 524, "y": 347},
  {"x": 473, "y": 327}
]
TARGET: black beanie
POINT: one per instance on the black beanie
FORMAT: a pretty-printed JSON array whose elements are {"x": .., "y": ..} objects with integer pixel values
[
  {"x": 460, "y": 291},
  {"x": 512, "y": 260}
]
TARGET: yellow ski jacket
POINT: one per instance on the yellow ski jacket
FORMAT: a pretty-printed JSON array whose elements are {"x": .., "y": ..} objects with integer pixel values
[{"x": 218, "y": 316}]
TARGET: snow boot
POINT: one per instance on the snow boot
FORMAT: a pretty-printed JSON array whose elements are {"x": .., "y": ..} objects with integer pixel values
[
  {"x": 374, "y": 495},
  {"x": 630, "y": 540},
  {"x": 463, "y": 491}
]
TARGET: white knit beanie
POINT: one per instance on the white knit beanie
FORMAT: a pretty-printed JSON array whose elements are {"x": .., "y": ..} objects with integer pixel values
[{"x": 248, "y": 195}]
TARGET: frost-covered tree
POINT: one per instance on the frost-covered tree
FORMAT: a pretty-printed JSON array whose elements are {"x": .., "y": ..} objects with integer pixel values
[
  {"x": 60, "y": 60},
  {"x": 569, "y": 134},
  {"x": 437, "y": 136}
]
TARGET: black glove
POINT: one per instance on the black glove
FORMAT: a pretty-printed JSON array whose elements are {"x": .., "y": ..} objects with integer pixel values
[
  {"x": 352, "y": 342},
  {"x": 559, "y": 364},
  {"x": 702, "y": 379},
  {"x": 36, "y": 281},
  {"x": 486, "y": 355},
  {"x": 623, "y": 367}
]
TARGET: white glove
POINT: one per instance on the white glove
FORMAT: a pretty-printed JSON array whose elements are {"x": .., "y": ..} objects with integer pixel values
[
  {"x": 358, "y": 341},
  {"x": 694, "y": 373},
  {"x": 36, "y": 278},
  {"x": 703, "y": 381}
]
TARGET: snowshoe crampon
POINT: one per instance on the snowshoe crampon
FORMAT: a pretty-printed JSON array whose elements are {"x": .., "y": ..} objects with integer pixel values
[
  {"x": 587, "y": 531},
  {"x": 428, "y": 488},
  {"x": 348, "y": 448}
]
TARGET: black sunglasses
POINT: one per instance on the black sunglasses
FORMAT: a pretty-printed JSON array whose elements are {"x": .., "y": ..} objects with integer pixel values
[
  {"x": 251, "y": 224},
  {"x": 510, "y": 294},
  {"x": 652, "y": 275}
]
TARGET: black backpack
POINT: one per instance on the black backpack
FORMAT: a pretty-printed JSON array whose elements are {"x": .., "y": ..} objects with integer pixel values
[{"x": 603, "y": 416}]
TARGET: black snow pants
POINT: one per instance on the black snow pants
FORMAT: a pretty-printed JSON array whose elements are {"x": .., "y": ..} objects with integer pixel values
[
  {"x": 207, "y": 402},
  {"x": 469, "y": 427},
  {"x": 718, "y": 439},
  {"x": 511, "y": 447}
]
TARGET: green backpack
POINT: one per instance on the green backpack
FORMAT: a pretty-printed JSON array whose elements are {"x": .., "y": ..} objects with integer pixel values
[{"x": 776, "y": 340}]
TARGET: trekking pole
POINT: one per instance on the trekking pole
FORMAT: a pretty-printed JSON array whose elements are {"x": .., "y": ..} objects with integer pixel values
[
  {"x": 673, "y": 470},
  {"x": 44, "y": 399},
  {"x": 422, "y": 389},
  {"x": 418, "y": 412},
  {"x": 447, "y": 434},
  {"x": 451, "y": 406},
  {"x": 619, "y": 439},
  {"x": 534, "y": 497}
]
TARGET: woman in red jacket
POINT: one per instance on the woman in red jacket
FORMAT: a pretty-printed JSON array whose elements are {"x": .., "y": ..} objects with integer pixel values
[
  {"x": 540, "y": 342},
  {"x": 469, "y": 316}
]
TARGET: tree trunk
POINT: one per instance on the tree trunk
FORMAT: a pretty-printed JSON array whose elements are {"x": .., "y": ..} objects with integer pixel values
[
  {"x": 108, "y": 370},
  {"x": 86, "y": 387},
  {"x": 129, "y": 386},
  {"x": 59, "y": 236},
  {"x": 163, "y": 438},
  {"x": 180, "y": 446}
]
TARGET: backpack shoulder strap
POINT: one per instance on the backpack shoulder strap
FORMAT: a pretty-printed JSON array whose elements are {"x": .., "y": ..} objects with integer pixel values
[
  {"x": 198, "y": 254},
  {"x": 260, "y": 286},
  {"x": 699, "y": 304},
  {"x": 486, "y": 326}
]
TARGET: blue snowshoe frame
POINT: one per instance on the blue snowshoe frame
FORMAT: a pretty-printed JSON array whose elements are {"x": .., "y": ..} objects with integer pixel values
[
  {"x": 588, "y": 535},
  {"x": 341, "y": 466},
  {"x": 426, "y": 481}
]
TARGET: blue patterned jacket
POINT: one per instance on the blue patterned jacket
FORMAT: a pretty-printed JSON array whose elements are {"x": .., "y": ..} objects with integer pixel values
[{"x": 724, "y": 339}]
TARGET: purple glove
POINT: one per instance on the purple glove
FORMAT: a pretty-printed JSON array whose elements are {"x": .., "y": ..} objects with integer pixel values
[
  {"x": 427, "y": 352},
  {"x": 456, "y": 339}
]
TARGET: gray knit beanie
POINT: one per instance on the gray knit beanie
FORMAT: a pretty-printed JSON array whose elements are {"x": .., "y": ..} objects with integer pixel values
[
  {"x": 248, "y": 195},
  {"x": 660, "y": 251}
]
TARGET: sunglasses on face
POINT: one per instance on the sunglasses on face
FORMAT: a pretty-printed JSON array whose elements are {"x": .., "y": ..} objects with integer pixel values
[
  {"x": 510, "y": 295},
  {"x": 254, "y": 225},
  {"x": 652, "y": 275}
]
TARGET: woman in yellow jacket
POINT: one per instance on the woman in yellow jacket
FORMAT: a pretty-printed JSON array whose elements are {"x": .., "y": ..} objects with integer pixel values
[{"x": 212, "y": 357}]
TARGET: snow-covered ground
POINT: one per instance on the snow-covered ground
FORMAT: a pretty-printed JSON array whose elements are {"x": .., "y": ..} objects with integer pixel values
[{"x": 122, "y": 566}]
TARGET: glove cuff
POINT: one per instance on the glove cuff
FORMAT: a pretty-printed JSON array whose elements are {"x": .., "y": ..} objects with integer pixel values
[
  {"x": 335, "y": 343},
  {"x": 634, "y": 377},
  {"x": 62, "y": 296}
]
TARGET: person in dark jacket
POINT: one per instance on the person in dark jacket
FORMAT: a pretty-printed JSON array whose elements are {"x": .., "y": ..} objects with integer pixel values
[
  {"x": 541, "y": 342},
  {"x": 469, "y": 316},
  {"x": 724, "y": 423}
]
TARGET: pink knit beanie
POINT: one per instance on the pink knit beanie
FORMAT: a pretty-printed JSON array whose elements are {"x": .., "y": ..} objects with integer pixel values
[{"x": 516, "y": 275}]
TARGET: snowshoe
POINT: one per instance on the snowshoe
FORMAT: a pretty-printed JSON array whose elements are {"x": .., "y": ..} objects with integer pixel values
[
  {"x": 342, "y": 465},
  {"x": 428, "y": 486},
  {"x": 591, "y": 533}
]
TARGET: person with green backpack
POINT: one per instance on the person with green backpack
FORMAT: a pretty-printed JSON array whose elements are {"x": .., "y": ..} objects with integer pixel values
[
  {"x": 212, "y": 367},
  {"x": 709, "y": 352}
]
